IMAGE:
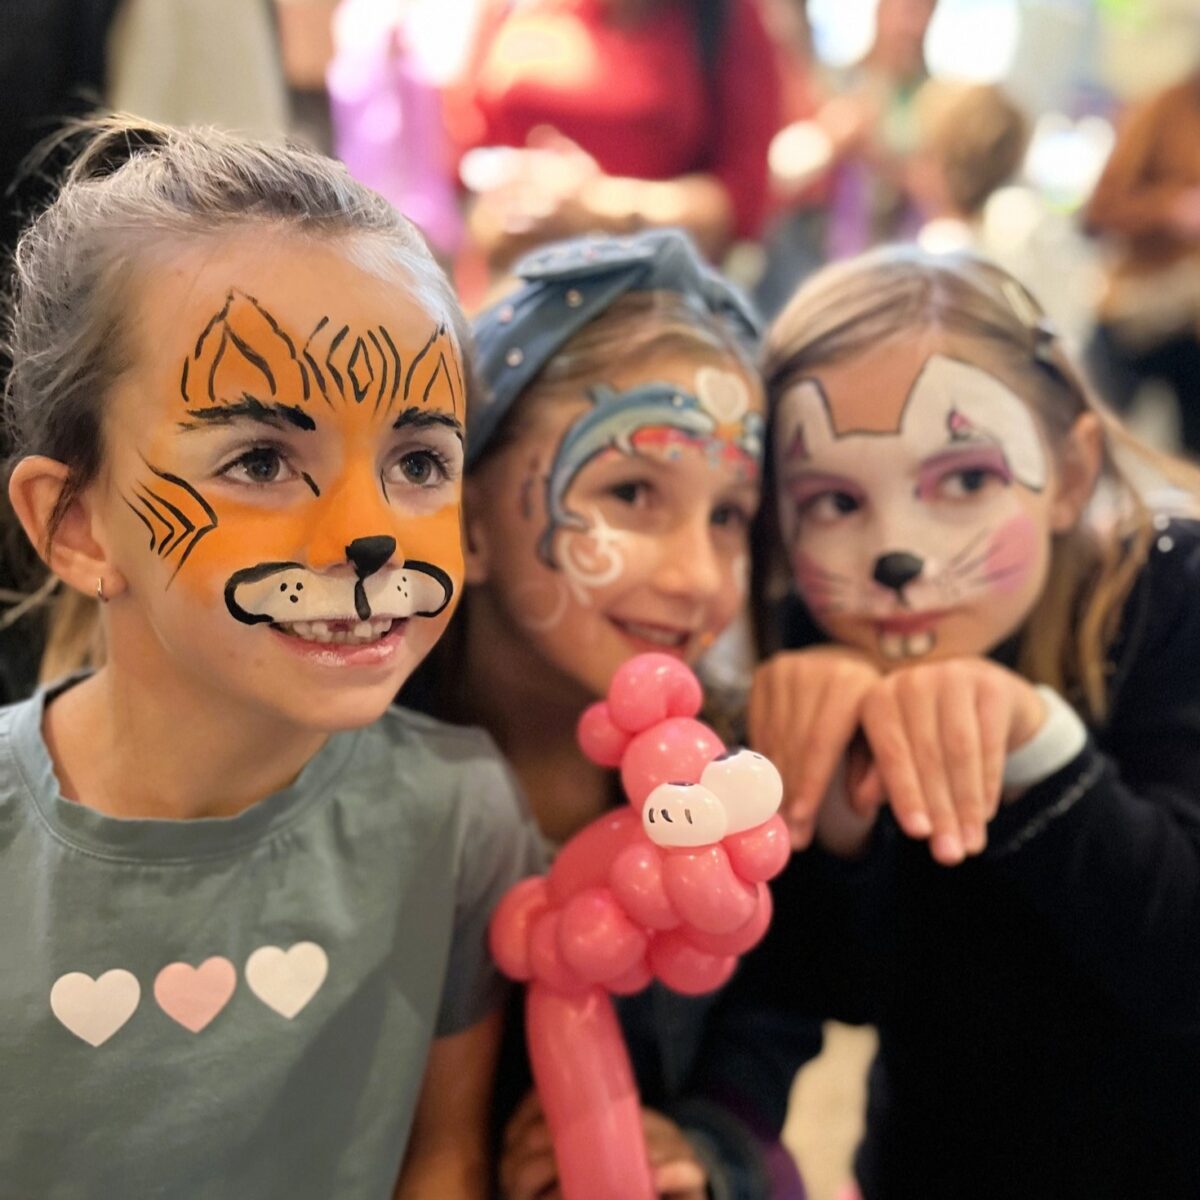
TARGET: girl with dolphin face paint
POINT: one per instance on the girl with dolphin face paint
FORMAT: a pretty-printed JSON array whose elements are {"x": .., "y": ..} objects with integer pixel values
[
  {"x": 916, "y": 501},
  {"x": 617, "y": 524}
]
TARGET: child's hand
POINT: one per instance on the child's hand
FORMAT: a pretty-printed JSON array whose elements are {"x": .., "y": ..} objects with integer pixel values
[
  {"x": 528, "y": 1171},
  {"x": 939, "y": 734},
  {"x": 805, "y": 707}
]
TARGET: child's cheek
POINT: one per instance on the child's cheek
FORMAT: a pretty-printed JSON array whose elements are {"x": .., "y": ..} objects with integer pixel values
[
  {"x": 1012, "y": 555},
  {"x": 815, "y": 585}
]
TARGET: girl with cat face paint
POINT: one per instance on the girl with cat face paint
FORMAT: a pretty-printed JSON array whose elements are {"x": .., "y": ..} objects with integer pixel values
[
  {"x": 247, "y": 904},
  {"x": 612, "y": 478},
  {"x": 990, "y": 662}
]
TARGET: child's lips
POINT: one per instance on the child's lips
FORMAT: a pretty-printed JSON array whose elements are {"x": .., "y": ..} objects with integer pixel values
[
  {"x": 910, "y": 623},
  {"x": 669, "y": 638}
]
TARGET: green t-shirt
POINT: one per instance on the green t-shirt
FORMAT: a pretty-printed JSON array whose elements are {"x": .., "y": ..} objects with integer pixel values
[{"x": 242, "y": 1008}]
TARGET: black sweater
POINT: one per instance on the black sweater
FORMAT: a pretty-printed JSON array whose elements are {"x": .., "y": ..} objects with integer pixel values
[{"x": 1038, "y": 1007}]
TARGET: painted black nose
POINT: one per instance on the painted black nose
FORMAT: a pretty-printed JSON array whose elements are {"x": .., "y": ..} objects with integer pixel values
[
  {"x": 368, "y": 554},
  {"x": 897, "y": 570}
]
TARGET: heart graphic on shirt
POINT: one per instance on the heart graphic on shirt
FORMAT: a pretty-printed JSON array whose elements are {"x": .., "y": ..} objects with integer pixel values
[
  {"x": 94, "y": 1009},
  {"x": 194, "y": 995},
  {"x": 286, "y": 980}
]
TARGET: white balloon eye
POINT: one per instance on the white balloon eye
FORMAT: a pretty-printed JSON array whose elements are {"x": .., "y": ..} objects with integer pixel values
[
  {"x": 683, "y": 814},
  {"x": 747, "y": 785}
]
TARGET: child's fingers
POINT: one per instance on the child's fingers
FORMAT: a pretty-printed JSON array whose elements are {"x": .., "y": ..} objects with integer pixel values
[
  {"x": 681, "y": 1180},
  {"x": 963, "y": 756},
  {"x": 528, "y": 1176},
  {"x": 831, "y": 726},
  {"x": 526, "y": 1116},
  {"x": 919, "y": 709},
  {"x": 867, "y": 794},
  {"x": 884, "y": 727},
  {"x": 993, "y": 712}
]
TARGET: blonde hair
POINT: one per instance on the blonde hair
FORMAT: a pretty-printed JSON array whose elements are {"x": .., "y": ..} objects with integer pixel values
[
  {"x": 851, "y": 307},
  {"x": 978, "y": 137}
]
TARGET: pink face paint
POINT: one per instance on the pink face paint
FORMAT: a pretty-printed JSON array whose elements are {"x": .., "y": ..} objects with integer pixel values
[
  {"x": 984, "y": 460},
  {"x": 1012, "y": 554},
  {"x": 817, "y": 587},
  {"x": 807, "y": 487}
]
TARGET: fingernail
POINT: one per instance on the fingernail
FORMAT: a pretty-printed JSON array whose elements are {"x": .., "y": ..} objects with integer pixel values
[
  {"x": 919, "y": 825},
  {"x": 947, "y": 848}
]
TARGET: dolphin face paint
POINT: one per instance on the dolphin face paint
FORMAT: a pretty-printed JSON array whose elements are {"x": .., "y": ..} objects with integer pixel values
[
  {"x": 297, "y": 490},
  {"x": 914, "y": 500},
  {"x": 628, "y": 528}
]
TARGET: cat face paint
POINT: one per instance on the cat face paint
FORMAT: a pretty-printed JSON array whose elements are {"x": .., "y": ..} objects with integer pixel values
[
  {"x": 914, "y": 500},
  {"x": 619, "y": 524},
  {"x": 292, "y": 483}
]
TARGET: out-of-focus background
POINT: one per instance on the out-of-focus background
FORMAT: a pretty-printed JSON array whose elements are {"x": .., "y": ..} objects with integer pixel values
[{"x": 1061, "y": 137}]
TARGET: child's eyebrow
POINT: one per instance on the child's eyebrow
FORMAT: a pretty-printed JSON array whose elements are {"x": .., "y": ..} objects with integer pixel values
[
  {"x": 250, "y": 409},
  {"x": 419, "y": 418}
]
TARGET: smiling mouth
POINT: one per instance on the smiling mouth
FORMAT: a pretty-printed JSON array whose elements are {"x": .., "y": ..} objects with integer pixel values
[
  {"x": 349, "y": 631},
  {"x": 907, "y": 635},
  {"x": 666, "y": 636}
]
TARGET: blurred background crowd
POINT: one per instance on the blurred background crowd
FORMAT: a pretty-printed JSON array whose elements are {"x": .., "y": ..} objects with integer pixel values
[{"x": 1059, "y": 137}]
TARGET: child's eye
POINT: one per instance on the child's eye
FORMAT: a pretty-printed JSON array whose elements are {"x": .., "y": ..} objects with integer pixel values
[
  {"x": 827, "y": 507},
  {"x": 959, "y": 485},
  {"x": 636, "y": 493},
  {"x": 260, "y": 466},
  {"x": 419, "y": 468},
  {"x": 731, "y": 515}
]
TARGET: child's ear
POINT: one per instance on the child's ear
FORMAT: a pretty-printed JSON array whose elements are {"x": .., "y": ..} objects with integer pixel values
[
  {"x": 74, "y": 553},
  {"x": 1078, "y": 470},
  {"x": 475, "y": 542}
]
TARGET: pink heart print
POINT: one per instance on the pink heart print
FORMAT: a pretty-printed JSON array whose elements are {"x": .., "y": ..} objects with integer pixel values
[{"x": 193, "y": 996}]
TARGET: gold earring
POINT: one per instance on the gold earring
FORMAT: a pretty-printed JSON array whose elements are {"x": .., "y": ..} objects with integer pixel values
[{"x": 100, "y": 590}]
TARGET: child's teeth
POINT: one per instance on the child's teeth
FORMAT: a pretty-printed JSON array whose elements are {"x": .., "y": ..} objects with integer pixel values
[
  {"x": 920, "y": 643},
  {"x": 320, "y": 631},
  {"x": 891, "y": 645},
  {"x": 362, "y": 629}
]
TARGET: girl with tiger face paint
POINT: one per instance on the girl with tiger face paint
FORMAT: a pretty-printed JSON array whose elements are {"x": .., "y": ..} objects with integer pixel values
[
  {"x": 238, "y": 399},
  {"x": 284, "y": 486}
]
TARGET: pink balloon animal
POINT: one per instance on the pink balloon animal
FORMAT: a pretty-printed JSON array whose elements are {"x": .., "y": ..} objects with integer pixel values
[{"x": 672, "y": 887}]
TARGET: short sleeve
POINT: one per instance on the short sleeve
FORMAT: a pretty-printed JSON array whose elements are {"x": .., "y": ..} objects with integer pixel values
[
  {"x": 747, "y": 114},
  {"x": 499, "y": 845}
]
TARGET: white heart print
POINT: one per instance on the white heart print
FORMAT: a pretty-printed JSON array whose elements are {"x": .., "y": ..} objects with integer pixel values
[
  {"x": 286, "y": 980},
  {"x": 723, "y": 393},
  {"x": 94, "y": 1009}
]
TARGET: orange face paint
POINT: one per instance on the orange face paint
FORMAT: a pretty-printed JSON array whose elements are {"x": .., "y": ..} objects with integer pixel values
[{"x": 365, "y": 523}]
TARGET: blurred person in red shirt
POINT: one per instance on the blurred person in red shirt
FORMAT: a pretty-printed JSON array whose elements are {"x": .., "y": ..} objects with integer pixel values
[{"x": 620, "y": 115}]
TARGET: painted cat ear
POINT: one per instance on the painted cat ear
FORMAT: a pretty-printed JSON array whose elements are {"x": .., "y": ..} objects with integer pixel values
[{"x": 809, "y": 429}]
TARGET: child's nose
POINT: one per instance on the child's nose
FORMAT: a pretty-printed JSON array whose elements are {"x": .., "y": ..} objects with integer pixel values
[
  {"x": 897, "y": 570},
  {"x": 689, "y": 564},
  {"x": 355, "y": 526},
  {"x": 368, "y": 554}
]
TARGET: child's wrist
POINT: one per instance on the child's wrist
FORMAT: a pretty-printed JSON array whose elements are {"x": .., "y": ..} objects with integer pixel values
[{"x": 1059, "y": 738}]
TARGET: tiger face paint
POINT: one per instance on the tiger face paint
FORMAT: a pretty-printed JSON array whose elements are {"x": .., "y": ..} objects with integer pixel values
[
  {"x": 287, "y": 461},
  {"x": 915, "y": 498},
  {"x": 618, "y": 523}
]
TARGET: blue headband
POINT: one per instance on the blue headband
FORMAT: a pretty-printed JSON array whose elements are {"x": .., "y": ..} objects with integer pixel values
[{"x": 567, "y": 285}]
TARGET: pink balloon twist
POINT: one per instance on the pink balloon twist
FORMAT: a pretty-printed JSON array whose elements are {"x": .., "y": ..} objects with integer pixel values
[{"x": 672, "y": 887}]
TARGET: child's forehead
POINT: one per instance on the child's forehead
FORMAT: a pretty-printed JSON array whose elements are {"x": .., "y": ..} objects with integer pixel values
[
  {"x": 867, "y": 393},
  {"x": 296, "y": 284}
]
